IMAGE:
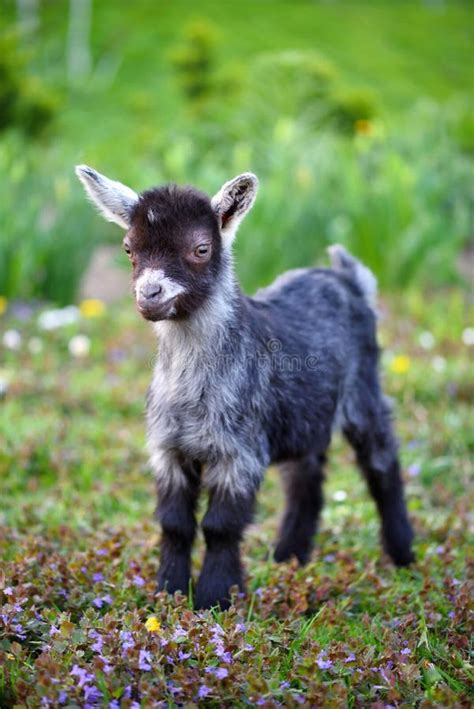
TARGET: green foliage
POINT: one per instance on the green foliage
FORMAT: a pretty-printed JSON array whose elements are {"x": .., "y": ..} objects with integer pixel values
[
  {"x": 194, "y": 60},
  {"x": 47, "y": 237},
  {"x": 79, "y": 545},
  {"x": 25, "y": 102}
]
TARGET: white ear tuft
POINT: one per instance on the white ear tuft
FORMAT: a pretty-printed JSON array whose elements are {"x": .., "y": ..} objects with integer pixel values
[
  {"x": 113, "y": 200},
  {"x": 232, "y": 202}
]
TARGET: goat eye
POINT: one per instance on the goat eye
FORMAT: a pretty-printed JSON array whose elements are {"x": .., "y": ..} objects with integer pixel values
[
  {"x": 127, "y": 249},
  {"x": 202, "y": 250}
]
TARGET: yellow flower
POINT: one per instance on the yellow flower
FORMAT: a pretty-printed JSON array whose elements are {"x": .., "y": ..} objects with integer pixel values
[
  {"x": 363, "y": 127},
  {"x": 92, "y": 308},
  {"x": 400, "y": 364},
  {"x": 153, "y": 624},
  {"x": 3, "y": 304}
]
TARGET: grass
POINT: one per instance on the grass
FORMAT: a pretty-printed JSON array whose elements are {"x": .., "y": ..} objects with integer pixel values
[{"x": 79, "y": 545}]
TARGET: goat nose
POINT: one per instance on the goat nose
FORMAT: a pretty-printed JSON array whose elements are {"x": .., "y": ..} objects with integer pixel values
[{"x": 151, "y": 291}]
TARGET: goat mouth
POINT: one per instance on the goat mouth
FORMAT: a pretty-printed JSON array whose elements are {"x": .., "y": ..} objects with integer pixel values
[{"x": 163, "y": 311}]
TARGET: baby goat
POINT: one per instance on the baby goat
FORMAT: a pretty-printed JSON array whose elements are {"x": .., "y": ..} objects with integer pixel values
[{"x": 241, "y": 382}]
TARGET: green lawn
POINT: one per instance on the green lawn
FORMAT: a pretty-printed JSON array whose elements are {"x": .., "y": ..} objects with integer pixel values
[{"x": 79, "y": 545}]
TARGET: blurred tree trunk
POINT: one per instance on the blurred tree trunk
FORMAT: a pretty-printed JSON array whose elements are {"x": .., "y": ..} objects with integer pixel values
[
  {"x": 79, "y": 60},
  {"x": 27, "y": 14}
]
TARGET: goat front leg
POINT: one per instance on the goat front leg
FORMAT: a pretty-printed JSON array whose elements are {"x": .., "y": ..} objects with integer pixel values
[
  {"x": 178, "y": 489},
  {"x": 229, "y": 512}
]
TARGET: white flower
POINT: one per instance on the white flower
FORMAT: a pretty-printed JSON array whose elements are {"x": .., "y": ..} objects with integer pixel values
[
  {"x": 35, "y": 345},
  {"x": 339, "y": 496},
  {"x": 52, "y": 319},
  {"x": 426, "y": 340},
  {"x": 12, "y": 340},
  {"x": 438, "y": 363},
  {"x": 468, "y": 336},
  {"x": 79, "y": 346}
]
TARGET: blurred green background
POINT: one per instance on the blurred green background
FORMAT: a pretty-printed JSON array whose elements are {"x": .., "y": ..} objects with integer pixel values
[{"x": 356, "y": 116}]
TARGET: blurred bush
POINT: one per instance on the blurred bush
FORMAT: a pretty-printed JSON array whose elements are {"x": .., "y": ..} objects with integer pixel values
[
  {"x": 400, "y": 202},
  {"x": 25, "y": 102},
  {"x": 193, "y": 59}
]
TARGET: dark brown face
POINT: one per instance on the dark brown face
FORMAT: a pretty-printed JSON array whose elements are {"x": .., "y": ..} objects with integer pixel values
[{"x": 175, "y": 248}]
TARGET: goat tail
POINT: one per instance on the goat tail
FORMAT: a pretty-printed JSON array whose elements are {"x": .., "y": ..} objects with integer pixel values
[{"x": 344, "y": 263}]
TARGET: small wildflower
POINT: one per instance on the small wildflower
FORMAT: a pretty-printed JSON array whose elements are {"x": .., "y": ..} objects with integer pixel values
[
  {"x": 426, "y": 340},
  {"x": 406, "y": 651},
  {"x": 322, "y": 663},
  {"x": 339, "y": 496},
  {"x": 153, "y": 624},
  {"x": 3, "y": 304},
  {"x": 363, "y": 127},
  {"x": 203, "y": 692},
  {"x": 438, "y": 363},
  {"x": 12, "y": 340},
  {"x": 468, "y": 336},
  {"x": 52, "y": 319},
  {"x": 414, "y": 469},
  {"x": 79, "y": 346},
  {"x": 35, "y": 345},
  {"x": 400, "y": 364},
  {"x": 144, "y": 660},
  {"x": 97, "y": 577},
  {"x": 138, "y": 580},
  {"x": 91, "y": 308}
]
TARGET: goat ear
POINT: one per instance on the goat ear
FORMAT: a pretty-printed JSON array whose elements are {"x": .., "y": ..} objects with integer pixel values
[
  {"x": 113, "y": 200},
  {"x": 232, "y": 202}
]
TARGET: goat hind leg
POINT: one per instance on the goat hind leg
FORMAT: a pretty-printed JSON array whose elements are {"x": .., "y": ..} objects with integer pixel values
[{"x": 370, "y": 433}]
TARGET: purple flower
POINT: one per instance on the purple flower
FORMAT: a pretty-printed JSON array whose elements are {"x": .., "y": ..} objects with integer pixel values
[
  {"x": 183, "y": 655},
  {"x": 330, "y": 558},
  {"x": 138, "y": 581},
  {"x": 83, "y": 676},
  {"x": 92, "y": 694},
  {"x": 350, "y": 658},
  {"x": 324, "y": 664},
  {"x": 100, "y": 600},
  {"x": 240, "y": 628},
  {"x": 414, "y": 469},
  {"x": 260, "y": 702},
  {"x": 114, "y": 704},
  {"x": 8, "y": 591},
  {"x": 406, "y": 651},
  {"x": 144, "y": 660},
  {"x": 62, "y": 699},
  {"x": 102, "y": 552},
  {"x": 97, "y": 577},
  {"x": 451, "y": 614},
  {"x": 178, "y": 633},
  {"x": 219, "y": 672},
  {"x": 53, "y": 631},
  {"x": 249, "y": 647},
  {"x": 203, "y": 691}
]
